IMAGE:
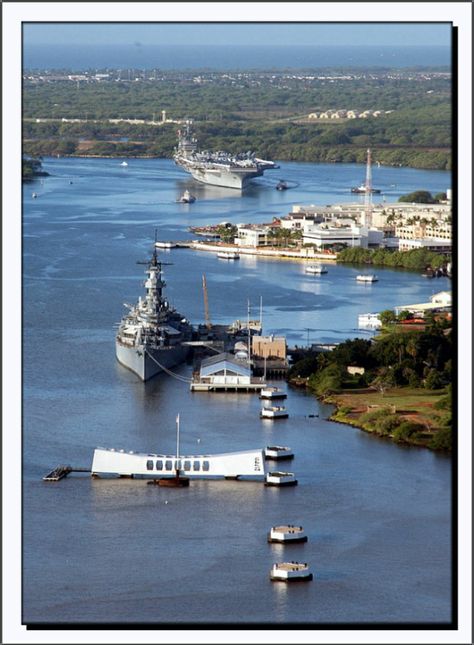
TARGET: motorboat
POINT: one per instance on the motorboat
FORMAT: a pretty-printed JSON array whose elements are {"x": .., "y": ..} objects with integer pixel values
[
  {"x": 274, "y": 412},
  {"x": 187, "y": 198},
  {"x": 369, "y": 277},
  {"x": 316, "y": 269},
  {"x": 282, "y": 185},
  {"x": 228, "y": 255},
  {"x": 165, "y": 245},
  {"x": 272, "y": 392},
  {"x": 124, "y": 163},
  {"x": 362, "y": 189}
]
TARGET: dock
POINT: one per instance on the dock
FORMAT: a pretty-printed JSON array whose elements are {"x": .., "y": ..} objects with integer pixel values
[
  {"x": 255, "y": 385},
  {"x": 62, "y": 471}
]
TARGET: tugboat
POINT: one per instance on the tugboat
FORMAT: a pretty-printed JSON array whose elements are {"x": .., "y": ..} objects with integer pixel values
[
  {"x": 186, "y": 198},
  {"x": 150, "y": 336}
]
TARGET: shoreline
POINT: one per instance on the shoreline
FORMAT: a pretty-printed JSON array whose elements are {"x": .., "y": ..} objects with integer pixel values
[
  {"x": 341, "y": 415},
  {"x": 270, "y": 252},
  {"x": 125, "y": 155}
]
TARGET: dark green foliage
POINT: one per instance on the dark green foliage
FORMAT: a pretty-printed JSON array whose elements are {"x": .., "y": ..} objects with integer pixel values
[
  {"x": 372, "y": 416},
  {"x": 303, "y": 368},
  {"x": 328, "y": 380},
  {"x": 259, "y": 116},
  {"x": 31, "y": 168},
  {"x": 415, "y": 259},
  {"x": 353, "y": 352},
  {"x": 387, "y": 317},
  {"x": 406, "y": 429},
  {"x": 442, "y": 440},
  {"x": 387, "y": 424},
  {"x": 418, "y": 197},
  {"x": 434, "y": 380}
]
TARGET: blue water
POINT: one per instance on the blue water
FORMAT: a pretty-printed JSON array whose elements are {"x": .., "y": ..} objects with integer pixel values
[
  {"x": 377, "y": 515},
  {"x": 269, "y": 57}
]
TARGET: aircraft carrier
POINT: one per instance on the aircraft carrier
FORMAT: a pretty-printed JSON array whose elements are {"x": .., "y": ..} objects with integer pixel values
[{"x": 218, "y": 168}]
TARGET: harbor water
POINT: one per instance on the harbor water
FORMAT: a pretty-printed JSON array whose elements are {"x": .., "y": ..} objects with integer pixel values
[{"x": 377, "y": 515}]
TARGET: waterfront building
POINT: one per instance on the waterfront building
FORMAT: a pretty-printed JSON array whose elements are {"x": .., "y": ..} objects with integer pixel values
[
  {"x": 250, "y": 236},
  {"x": 431, "y": 244},
  {"x": 224, "y": 369},
  {"x": 369, "y": 321},
  {"x": 269, "y": 346},
  {"x": 324, "y": 235},
  {"x": 441, "y": 301}
]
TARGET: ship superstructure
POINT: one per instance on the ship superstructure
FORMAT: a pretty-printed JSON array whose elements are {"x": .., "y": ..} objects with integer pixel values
[
  {"x": 150, "y": 336},
  {"x": 217, "y": 168}
]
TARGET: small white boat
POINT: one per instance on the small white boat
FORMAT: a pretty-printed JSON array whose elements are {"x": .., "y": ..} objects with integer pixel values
[
  {"x": 287, "y": 533},
  {"x": 272, "y": 392},
  {"x": 187, "y": 198},
  {"x": 280, "y": 478},
  {"x": 316, "y": 269},
  {"x": 278, "y": 453},
  {"x": 165, "y": 245},
  {"x": 34, "y": 195},
  {"x": 274, "y": 412},
  {"x": 290, "y": 572},
  {"x": 369, "y": 277},
  {"x": 228, "y": 255},
  {"x": 124, "y": 163}
]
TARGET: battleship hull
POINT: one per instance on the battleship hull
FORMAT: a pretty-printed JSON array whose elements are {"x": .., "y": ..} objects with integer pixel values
[{"x": 147, "y": 363}]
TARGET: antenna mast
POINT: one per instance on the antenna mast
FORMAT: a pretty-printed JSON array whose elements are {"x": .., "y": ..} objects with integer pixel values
[
  {"x": 206, "y": 303},
  {"x": 368, "y": 191}
]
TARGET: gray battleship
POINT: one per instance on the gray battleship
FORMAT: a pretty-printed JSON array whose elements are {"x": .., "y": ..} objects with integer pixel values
[
  {"x": 150, "y": 336},
  {"x": 218, "y": 168}
]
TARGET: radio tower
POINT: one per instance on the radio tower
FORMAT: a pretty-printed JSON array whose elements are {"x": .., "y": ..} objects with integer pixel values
[{"x": 368, "y": 191}]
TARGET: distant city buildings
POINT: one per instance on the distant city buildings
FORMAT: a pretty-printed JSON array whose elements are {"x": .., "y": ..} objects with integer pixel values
[{"x": 398, "y": 226}]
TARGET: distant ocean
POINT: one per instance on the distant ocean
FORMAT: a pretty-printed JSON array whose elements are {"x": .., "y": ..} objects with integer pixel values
[{"x": 268, "y": 57}]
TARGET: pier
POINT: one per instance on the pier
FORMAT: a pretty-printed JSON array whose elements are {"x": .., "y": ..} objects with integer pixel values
[{"x": 62, "y": 471}]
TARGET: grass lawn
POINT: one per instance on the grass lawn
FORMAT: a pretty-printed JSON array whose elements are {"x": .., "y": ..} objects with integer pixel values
[{"x": 409, "y": 404}]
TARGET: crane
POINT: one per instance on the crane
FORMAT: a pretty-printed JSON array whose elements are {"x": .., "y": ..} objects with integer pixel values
[{"x": 206, "y": 303}]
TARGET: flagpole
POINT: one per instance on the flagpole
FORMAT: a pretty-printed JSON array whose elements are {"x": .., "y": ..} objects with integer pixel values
[{"x": 177, "y": 439}]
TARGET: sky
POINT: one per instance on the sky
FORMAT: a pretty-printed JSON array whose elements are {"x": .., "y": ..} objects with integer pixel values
[{"x": 391, "y": 34}]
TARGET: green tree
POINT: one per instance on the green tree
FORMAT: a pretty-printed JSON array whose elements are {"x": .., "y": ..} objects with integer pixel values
[{"x": 418, "y": 197}]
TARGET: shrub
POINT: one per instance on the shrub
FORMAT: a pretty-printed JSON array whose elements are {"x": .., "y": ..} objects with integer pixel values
[
  {"x": 372, "y": 416},
  {"x": 344, "y": 409},
  {"x": 388, "y": 424},
  {"x": 442, "y": 440},
  {"x": 406, "y": 429},
  {"x": 444, "y": 403},
  {"x": 434, "y": 380}
]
